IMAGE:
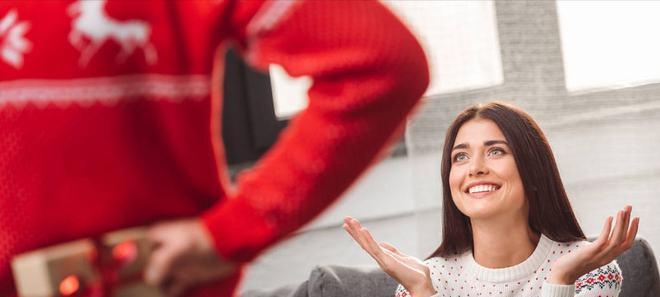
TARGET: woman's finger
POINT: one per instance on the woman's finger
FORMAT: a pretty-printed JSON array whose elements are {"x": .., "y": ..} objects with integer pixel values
[
  {"x": 626, "y": 226},
  {"x": 391, "y": 248},
  {"x": 611, "y": 245},
  {"x": 350, "y": 232},
  {"x": 353, "y": 226},
  {"x": 632, "y": 233},
  {"x": 616, "y": 232},
  {"x": 348, "y": 224},
  {"x": 354, "y": 223},
  {"x": 349, "y": 228},
  {"x": 385, "y": 258},
  {"x": 626, "y": 223},
  {"x": 391, "y": 259},
  {"x": 371, "y": 242},
  {"x": 603, "y": 238},
  {"x": 354, "y": 230},
  {"x": 364, "y": 238},
  {"x": 402, "y": 258},
  {"x": 372, "y": 247}
]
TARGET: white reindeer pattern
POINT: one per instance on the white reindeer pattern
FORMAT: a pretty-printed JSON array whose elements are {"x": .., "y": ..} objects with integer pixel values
[
  {"x": 92, "y": 27},
  {"x": 13, "y": 44}
]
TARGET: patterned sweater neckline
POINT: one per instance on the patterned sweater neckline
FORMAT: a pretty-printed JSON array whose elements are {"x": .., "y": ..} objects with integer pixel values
[{"x": 512, "y": 273}]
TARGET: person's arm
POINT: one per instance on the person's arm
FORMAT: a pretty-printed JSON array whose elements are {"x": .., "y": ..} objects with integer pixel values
[
  {"x": 368, "y": 72},
  {"x": 604, "y": 281},
  {"x": 594, "y": 259}
]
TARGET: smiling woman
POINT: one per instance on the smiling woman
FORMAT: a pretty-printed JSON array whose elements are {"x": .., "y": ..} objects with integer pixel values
[
  {"x": 508, "y": 228},
  {"x": 518, "y": 154}
]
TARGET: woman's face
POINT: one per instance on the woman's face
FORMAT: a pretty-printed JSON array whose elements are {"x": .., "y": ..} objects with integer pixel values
[{"x": 484, "y": 179}]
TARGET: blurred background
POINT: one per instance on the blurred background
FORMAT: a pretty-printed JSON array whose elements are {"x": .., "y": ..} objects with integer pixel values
[{"x": 588, "y": 72}]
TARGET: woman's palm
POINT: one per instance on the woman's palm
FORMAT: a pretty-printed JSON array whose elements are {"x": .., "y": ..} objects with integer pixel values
[
  {"x": 609, "y": 245},
  {"x": 409, "y": 271}
]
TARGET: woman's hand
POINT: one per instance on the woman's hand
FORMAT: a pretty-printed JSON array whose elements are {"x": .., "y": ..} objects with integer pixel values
[
  {"x": 183, "y": 257},
  {"x": 609, "y": 245},
  {"x": 409, "y": 271}
]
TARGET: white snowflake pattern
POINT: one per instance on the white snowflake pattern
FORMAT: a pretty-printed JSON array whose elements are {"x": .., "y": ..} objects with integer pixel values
[{"x": 13, "y": 44}]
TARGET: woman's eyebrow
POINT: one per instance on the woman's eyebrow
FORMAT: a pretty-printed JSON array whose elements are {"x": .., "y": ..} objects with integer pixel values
[
  {"x": 486, "y": 143},
  {"x": 494, "y": 142}
]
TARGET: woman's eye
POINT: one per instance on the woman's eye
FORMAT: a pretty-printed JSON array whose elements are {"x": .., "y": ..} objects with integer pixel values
[
  {"x": 496, "y": 152},
  {"x": 460, "y": 157}
]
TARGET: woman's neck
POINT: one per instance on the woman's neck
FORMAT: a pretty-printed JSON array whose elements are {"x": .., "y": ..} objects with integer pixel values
[{"x": 505, "y": 243}]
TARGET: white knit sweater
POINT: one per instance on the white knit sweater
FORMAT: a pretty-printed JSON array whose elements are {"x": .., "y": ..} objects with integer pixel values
[{"x": 461, "y": 276}]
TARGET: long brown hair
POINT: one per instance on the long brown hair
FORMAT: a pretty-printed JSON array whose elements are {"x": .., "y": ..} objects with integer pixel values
[{"x": 550, "y": 211}]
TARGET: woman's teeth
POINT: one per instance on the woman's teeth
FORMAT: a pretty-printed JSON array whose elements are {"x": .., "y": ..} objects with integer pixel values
[{"x": 482, "y": 188}]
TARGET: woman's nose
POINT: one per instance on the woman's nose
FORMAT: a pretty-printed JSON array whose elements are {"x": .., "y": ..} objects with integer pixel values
[{"x": 478, "y": 167}]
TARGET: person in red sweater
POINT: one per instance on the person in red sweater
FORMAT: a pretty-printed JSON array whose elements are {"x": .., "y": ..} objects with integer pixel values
[{"x": 110, "y": 118}]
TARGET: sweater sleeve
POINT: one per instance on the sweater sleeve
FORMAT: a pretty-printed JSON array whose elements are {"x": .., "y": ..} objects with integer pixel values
[
  {"x": 368, "y": 73},
  {"x": 402, "y": 292},
  {"x": 604, "y": 281}
]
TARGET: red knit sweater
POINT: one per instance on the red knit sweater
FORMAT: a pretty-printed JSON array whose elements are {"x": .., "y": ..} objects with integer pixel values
[{"x": 109, "y": 115}]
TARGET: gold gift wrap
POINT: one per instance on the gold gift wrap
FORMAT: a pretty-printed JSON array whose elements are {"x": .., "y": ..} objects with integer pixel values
[
  {"x": 52, "y": 271},
  {"x": 128, "y": 250},
  {"x": 82, "y": 268}
]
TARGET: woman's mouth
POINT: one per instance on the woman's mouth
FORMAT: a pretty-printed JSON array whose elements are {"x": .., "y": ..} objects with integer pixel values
[{"x": 482, "y": 190}]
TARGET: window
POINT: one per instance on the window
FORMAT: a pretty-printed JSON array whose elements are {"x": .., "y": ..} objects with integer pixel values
[
  {"x": 609, "y": 44},
  {"x": 460, "y": 38}
]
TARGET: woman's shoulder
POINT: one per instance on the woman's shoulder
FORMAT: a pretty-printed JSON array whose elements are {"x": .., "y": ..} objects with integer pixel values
[{"x": 449, "y": 266}]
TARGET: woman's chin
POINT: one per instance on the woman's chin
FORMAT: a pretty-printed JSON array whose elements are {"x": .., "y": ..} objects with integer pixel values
[{"x": 482, "y": 212}]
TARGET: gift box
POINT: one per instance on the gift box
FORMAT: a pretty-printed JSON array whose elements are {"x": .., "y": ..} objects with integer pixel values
[{"x": 109, "y": 266}]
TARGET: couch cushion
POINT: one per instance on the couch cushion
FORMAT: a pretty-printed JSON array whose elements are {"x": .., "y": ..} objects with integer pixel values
[
  {"x": 326, "y": 281},
  {"x": 640, "y": 271}
]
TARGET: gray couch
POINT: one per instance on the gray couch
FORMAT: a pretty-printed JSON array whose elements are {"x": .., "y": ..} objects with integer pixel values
[{"x": 640, "y": 272}]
